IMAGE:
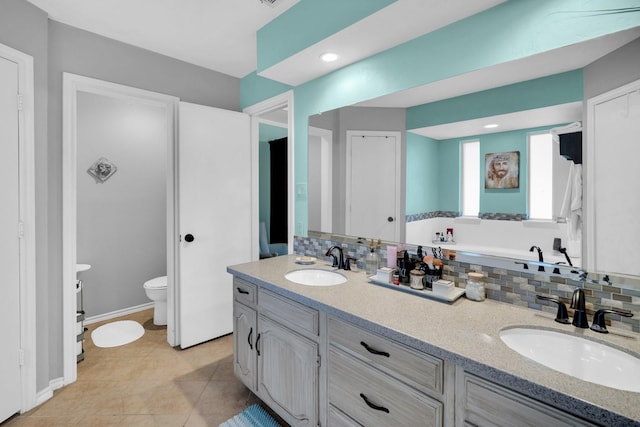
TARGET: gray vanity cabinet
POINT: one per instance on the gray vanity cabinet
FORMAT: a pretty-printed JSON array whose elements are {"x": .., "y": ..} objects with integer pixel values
[{"x": 276, "y": 352}]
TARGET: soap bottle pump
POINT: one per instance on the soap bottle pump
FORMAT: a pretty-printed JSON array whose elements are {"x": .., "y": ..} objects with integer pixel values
[{"x": 372, "y": 260}]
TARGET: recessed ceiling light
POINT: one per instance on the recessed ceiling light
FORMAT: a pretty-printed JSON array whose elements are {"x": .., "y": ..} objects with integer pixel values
[
  {"x": 328, "y": 57},
  {"x": 491, "y": 126}
]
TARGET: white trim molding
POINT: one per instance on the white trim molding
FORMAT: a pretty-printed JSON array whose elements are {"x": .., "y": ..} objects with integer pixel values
[
  {"x": 26, "y": 141},
  {"x": 282, "y": 101},
  {"x": 72, "y": 84}
]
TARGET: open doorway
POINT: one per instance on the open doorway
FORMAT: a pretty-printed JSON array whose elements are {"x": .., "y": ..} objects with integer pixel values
[
  {"x": 74, "y": 89},
  {"x": 273, "y": 147}
]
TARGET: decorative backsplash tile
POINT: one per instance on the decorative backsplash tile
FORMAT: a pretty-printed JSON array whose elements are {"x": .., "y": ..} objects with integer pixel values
[
  {"x": 512, "y": 286},
  {"x": 433, "y": 214},
  {"x": 502, "y": 216}
]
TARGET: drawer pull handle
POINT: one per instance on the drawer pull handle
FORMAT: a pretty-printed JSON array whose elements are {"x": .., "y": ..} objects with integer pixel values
[
  {"x": 373, "y": 350},
  {"x": 249, "y": 339},
  {"x": 258, "y": 344},
  {"x": 373, "y": 405},
  {"x": 242, "y": 291}
]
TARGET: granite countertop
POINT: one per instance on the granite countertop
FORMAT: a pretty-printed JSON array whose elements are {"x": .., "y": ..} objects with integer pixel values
[{"x": 464, "y": 332}]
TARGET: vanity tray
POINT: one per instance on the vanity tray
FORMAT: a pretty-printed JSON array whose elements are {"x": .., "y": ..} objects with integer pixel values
[{"x": 425, "y": 293}]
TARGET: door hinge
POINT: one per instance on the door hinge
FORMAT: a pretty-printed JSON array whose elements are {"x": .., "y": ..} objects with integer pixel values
[
  {"x": 21, "y": 357},
  {"x": 20, "y": 102},
  {"x": 20, "y": 230},
  {"x": 318, "y": 360}
]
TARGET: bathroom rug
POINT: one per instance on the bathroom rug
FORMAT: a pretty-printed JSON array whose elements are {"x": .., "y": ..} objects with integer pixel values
[
  {"x": 118, "y": 333},
  {"x": 253, "y": 416}
]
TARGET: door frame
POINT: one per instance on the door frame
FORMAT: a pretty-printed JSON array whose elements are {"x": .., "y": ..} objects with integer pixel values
[
  {"x": 326, "y": 170},
  {"x": 72, "y": 84},
  {"x": 398, "y": 181},
  {"x": 282, "y": 101},
  {"x": 26, "y": 181}
]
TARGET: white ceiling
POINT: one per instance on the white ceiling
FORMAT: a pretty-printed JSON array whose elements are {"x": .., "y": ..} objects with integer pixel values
[
  {"x": 216, "y": 34},
  {"x": 221, "y": 36}
]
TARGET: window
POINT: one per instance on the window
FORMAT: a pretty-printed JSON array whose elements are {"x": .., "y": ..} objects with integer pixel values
[
  {"x": 471, "y": 178},
  {"x": 541, "y": 176}
]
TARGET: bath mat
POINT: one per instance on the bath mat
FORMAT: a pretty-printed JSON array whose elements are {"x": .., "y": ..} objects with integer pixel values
[
  {"x": 253, "y": 416},
  {"x": 117, "y": 333}
]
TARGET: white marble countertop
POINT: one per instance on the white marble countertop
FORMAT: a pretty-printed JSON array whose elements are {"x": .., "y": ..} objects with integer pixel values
[{"x": 465, "y": 332}]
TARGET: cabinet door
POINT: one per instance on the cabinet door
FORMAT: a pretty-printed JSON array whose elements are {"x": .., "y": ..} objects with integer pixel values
[
  {"x": 287, "y": 373},
  {"x": 244, "y": 336}
]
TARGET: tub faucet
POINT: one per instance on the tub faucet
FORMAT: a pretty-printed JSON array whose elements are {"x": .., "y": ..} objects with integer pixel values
[
  {"x": 540, "y": 258},
  {"x": 339, "y": 260}
]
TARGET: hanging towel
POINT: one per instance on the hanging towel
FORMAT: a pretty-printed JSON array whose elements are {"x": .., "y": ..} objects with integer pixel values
[{"x": 572, "y": 210}]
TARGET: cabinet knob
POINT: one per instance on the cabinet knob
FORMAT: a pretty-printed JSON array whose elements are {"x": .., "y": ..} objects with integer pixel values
[{"x": 189, "y": 238}]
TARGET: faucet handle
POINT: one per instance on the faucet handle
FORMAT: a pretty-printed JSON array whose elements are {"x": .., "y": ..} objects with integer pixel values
[
  {"x": 561, "y": 316},
  {"x": 347, "y": 262},
  {"x": 599, "y": 324}
]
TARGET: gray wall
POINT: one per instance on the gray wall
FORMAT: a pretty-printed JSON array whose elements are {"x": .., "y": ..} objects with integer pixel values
[
  {"x": 121, "y": 223},
  {"x": 358, "y": 118},
  {"x": 58, "y": 48}
]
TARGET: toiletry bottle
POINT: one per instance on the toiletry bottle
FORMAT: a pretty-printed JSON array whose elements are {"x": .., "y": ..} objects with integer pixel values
[{"x": 372, "y": 260}]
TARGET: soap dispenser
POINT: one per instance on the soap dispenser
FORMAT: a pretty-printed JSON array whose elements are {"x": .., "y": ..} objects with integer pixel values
[{"x": 372, "y": 260}]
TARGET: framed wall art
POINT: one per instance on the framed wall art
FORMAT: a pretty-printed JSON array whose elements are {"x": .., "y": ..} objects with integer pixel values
[{"x": 502, "y": 170}]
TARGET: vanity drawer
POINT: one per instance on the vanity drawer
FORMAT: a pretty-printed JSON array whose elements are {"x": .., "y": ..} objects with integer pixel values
[
  {"x": 244, "y": 291},
  {"x": 417, "y": 369},
  {"x": 371, "y": 397},
  {"x": 290, "y": 313},
  {"x": 483, "y": 403}
]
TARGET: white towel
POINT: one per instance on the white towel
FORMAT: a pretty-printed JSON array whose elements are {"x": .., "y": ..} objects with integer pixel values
[{"x": 572, "y": 210}]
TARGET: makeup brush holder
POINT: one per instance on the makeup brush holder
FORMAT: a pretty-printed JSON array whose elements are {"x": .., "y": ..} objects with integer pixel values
[{"x": 431, "y": 275}]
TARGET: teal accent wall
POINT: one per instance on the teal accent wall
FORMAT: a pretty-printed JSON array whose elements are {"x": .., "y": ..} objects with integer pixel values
[
  {"x": 491, "y": 200},
  {"x": 513, "y": 30},
  {"x": 267, "y": 133},
  {"x": 422, "y": 187},
  {"x": 450, "y": 175},
  {"x": 543, "y": 92},
  {"x": 307, "y": 23}
]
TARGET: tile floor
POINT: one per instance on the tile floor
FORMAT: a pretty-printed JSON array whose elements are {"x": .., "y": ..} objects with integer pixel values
[{"x": 146, "y": 383}]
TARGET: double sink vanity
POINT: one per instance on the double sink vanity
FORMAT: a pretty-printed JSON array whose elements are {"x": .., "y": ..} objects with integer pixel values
[{"x": 325, "y": 347}]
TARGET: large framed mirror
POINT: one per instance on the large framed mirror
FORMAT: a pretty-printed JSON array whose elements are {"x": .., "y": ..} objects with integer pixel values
[{"x": 432, "y": 135}]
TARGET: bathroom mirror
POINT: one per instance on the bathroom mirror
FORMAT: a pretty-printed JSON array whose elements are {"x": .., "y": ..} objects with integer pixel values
[
  {"x": 607, "y": 71},
  {"x": 329, "y": 179}
]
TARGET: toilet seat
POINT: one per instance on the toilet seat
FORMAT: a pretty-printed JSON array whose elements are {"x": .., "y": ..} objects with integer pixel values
[{"x": 156, "y": 283}]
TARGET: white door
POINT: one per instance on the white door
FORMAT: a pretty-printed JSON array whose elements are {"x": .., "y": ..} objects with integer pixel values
[
  {"x": 373, "y": 186},
  {"x": 215, "y": 217},
  {"x": 617, "y": 182},
  {"x": 10, "y": 384}
]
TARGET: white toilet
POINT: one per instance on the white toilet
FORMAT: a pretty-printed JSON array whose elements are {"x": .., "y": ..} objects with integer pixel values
[{"x": 156, "y": 290}]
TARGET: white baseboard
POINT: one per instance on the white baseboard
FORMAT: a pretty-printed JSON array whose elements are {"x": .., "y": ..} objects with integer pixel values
[{"x": 106, "y": 316}]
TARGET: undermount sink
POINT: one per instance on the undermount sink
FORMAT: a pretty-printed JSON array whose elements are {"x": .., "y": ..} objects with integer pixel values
[
  {"x": 315, "y": 277},
  {"x": 579, "y": 357}
]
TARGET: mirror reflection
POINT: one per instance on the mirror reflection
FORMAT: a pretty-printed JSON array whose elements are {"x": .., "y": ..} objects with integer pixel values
[{"x": 418, "y": 194}]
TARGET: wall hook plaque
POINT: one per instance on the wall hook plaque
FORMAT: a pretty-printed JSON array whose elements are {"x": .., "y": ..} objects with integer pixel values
[{"x": 102, "y": 169}]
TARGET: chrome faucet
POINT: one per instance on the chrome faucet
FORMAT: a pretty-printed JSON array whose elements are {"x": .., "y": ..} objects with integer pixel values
[
  {"x": 540, "y": 258},
  {"x": 580, "y": 311},
  {"x": 339, "y": 260}
]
